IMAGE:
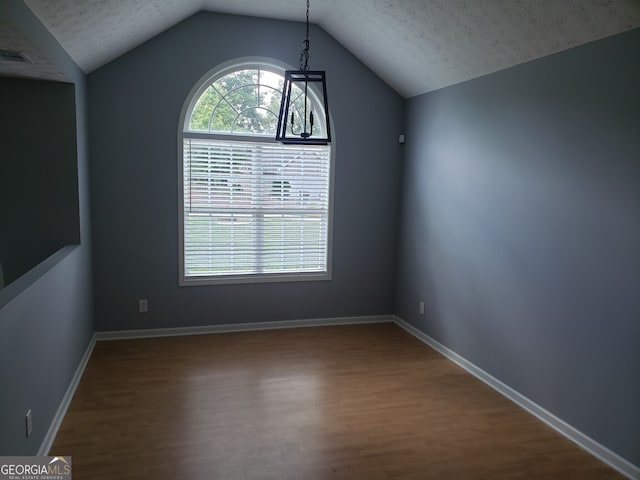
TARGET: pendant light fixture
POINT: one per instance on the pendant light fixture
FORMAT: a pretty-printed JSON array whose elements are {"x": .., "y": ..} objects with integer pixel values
[{"x": 299, "y": 121}]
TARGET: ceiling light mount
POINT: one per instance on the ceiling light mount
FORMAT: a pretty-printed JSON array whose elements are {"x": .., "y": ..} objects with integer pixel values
[{"x": 302, "y": 93}]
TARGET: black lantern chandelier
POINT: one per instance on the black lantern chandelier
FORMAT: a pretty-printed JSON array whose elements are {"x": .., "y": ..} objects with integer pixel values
[{"x": 297, "y": 122}]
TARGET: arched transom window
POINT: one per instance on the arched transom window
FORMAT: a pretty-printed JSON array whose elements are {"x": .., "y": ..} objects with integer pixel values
[{"x": 252, "y": 209}]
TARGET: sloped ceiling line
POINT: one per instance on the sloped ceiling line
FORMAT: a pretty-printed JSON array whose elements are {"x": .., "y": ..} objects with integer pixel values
[{"x": 416, "y": 46}]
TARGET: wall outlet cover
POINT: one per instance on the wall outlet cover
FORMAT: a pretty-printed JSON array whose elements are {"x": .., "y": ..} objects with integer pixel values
[
  {"x": 28, "y": 423},
  {"x": 143, "y": 305}
]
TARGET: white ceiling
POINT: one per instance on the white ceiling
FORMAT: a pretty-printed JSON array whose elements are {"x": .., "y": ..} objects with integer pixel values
[{"x": 414, "y": 45}]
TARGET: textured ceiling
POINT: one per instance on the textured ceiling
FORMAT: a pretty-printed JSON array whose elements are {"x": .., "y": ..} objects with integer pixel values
[
  {"x": 415, "y": 45},
  {"x": 38, "y": 66}
]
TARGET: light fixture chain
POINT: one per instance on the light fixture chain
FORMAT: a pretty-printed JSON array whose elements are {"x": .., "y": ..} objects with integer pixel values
[{"x": 304, "y": 56}]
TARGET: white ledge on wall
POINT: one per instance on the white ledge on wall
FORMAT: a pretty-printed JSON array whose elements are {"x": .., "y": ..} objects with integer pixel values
[{"x": 22, "y": 283}]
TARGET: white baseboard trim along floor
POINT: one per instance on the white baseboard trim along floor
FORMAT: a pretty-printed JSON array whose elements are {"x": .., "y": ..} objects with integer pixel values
[{"x": 607, "y": 456}]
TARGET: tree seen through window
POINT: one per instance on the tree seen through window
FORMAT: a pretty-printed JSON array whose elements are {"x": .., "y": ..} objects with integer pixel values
[{"x": 253, "y": 209}]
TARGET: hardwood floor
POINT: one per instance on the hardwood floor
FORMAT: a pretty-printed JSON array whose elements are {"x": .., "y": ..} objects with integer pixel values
[{"x": 347, "y": 402}]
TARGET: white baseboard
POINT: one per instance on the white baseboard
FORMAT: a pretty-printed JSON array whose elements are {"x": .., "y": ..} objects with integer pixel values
[
  {"x": 594, "y": 448},
  {"x": 607, "y": 456},
  {"x": 164, "y": 332},
  {"x": 45, "y": 446},
  {"x": 241, "y": 327}
]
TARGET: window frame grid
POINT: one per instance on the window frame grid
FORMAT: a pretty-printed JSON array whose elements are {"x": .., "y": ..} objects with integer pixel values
[{"x": 184, "y": 133}]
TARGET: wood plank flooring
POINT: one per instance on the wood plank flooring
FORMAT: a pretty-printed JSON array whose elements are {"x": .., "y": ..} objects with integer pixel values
[{"x": 346, "y": 402}]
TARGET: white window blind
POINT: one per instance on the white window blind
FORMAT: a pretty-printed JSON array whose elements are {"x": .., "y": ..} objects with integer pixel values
[{"x": 254, "y": 208}]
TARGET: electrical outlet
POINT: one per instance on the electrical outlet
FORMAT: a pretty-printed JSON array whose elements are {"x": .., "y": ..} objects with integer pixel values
[
  {"x": 143, "y": 305},
  {"x": 421, "y": 308},
  {"x": 28, "y": 423}
]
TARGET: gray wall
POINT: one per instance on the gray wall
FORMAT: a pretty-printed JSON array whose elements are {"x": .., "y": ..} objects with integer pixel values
[
  {"x": 46, "y": 315},
  {"x": 38, "y": 173},
  {"x": 135, "y": 103},
  {"x": 520, "y": 230}
]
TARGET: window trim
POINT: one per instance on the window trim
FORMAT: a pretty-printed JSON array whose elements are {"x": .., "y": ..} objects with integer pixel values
[{"x": 192, "y": 97}]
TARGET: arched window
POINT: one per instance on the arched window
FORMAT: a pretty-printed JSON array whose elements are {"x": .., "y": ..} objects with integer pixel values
[{"x": 251, "y": 209}]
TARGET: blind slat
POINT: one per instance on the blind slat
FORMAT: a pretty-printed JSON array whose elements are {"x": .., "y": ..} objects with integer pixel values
[{"x": 252, "y": 208}]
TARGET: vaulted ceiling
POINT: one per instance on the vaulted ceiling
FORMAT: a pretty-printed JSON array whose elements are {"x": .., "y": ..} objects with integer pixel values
[{"x": 414, "y": 45}]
